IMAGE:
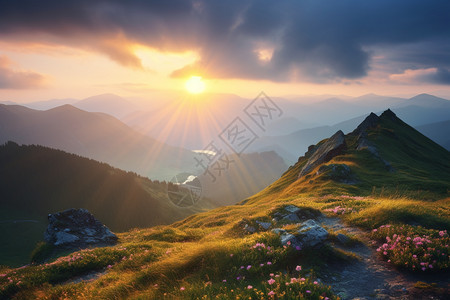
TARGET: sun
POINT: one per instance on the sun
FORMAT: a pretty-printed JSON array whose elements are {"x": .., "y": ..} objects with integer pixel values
[{"x": 195, "y": 85}]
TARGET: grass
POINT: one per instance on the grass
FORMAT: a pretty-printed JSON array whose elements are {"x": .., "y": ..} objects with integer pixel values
[
  {"x": 156, "y": 263},
  {"x": 210, "y": 255}
]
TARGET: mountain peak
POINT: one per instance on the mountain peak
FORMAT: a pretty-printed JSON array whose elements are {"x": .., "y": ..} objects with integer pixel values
[
  {"x": 371, "y": 121},
  {"x": 389, "y": 114}
]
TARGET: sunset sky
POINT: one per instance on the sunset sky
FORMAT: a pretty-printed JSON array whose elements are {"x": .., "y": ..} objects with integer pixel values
[{"x": 76, "y": 49}]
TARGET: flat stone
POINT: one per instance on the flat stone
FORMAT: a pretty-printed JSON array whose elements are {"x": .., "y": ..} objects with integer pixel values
[
  {"x": 288, "y": 239},
  {"x": 311, "y": 234},
  {"x": 292, "y": 209},
  {"x": 309, "y": 223},
  {"x": 264, "y": 225},
  {"x": 292, "y": 218}
]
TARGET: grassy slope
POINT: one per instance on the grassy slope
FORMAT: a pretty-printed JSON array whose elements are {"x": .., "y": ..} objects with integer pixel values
[
  {"x": 198, "y": 253},
  {"x": 36, "y": 181}
]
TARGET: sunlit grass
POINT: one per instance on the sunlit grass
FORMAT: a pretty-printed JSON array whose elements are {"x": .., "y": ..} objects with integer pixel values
[{"x": 210, "y": 254}]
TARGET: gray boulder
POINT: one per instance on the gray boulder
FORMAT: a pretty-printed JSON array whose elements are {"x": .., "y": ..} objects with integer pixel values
[
  {"x": 292, "y": 209},
  {"x": 264, "y": 225},
  {"x": 311, "y": 234},
  {"x": 249, "y": 228},
  {"x": 288, "y": 239},
  {"x": 332, "y": 147},
  {"x": 77, "y": 228},
  {"x": 291, "y": 218}
]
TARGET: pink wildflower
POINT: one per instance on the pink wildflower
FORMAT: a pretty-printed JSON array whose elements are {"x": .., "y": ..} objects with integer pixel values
[
  {"x": 271, "y": 281},
  {"x": 298, "y": 268}
]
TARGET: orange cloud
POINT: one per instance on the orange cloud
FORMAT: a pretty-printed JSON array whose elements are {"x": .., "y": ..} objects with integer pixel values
[{"x": 17, "y": 79}]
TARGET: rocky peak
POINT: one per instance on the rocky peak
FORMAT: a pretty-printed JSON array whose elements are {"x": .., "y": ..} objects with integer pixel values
[
  {"x": 332, "y": 147},
  {"x": 371, "y": 121},
  {"x": 390, "y": 115}
]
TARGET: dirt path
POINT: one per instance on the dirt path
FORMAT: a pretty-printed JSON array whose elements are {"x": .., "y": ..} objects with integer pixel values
[{"x": 373, "y": 278}]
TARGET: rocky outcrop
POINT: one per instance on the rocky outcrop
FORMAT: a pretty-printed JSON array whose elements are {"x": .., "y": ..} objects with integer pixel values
[
  {"x": 308, "y": 234},
  {"x": 363, "y": 142},
  {"x": 294, "y": 214},
  {"x": 332, "y": 147},
  {"x": 371, "y": 121},
  {"x": 77, "y": 228},
  {"x": 337, "y": 172}
]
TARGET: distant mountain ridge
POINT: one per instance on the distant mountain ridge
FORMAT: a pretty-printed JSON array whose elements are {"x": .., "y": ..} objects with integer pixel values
[
  {"x": 104, "y": 138},
  {"x": 417, "y": 111},
  {"x": 95, "y": 135}
]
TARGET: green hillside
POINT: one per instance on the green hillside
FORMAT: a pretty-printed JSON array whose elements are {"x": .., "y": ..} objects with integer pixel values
[
  {"x": 392, "y": 195},
  {"x": 36, "y": 181},
  {"x": 420, "y": 167}
]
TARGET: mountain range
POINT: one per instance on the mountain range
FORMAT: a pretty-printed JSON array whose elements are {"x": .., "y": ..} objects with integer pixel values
[
  {"x": 383, "y": 180},
  {"x": 104, "y": 138}
]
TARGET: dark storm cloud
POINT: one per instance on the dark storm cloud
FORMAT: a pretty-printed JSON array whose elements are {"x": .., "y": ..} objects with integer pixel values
[{"x": 316, "y": 40}]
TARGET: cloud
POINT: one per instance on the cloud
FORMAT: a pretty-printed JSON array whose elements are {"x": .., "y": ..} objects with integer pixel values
[
  {"x": 423, "y": 76},
  {"x": 15, "y": 79},
  {"x": 318, "y": 41}
]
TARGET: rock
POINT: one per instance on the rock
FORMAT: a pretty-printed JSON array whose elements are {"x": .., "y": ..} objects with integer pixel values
[
  {"x": 337, "y": 172},
  {"x": 63, "y": 237},
  {"x": 288, "y": 239},
  {"x": 291, "y": 218},
  {"x": 332, "y": 147},
  {"x": 311, "y": 234},
  {"x": 264, "y": 225},
  {"x": 292, "y": 209},
  {"x": 371, "y": 121},
  {"x": 249, "y": 229},
  {"x": 278, "y": 231},
  {"x": 342, "y": 238},
  {"x": 77, "y": 228}
]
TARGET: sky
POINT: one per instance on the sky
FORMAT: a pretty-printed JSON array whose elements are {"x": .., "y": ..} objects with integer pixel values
[{"x": 76, "y": 49}]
